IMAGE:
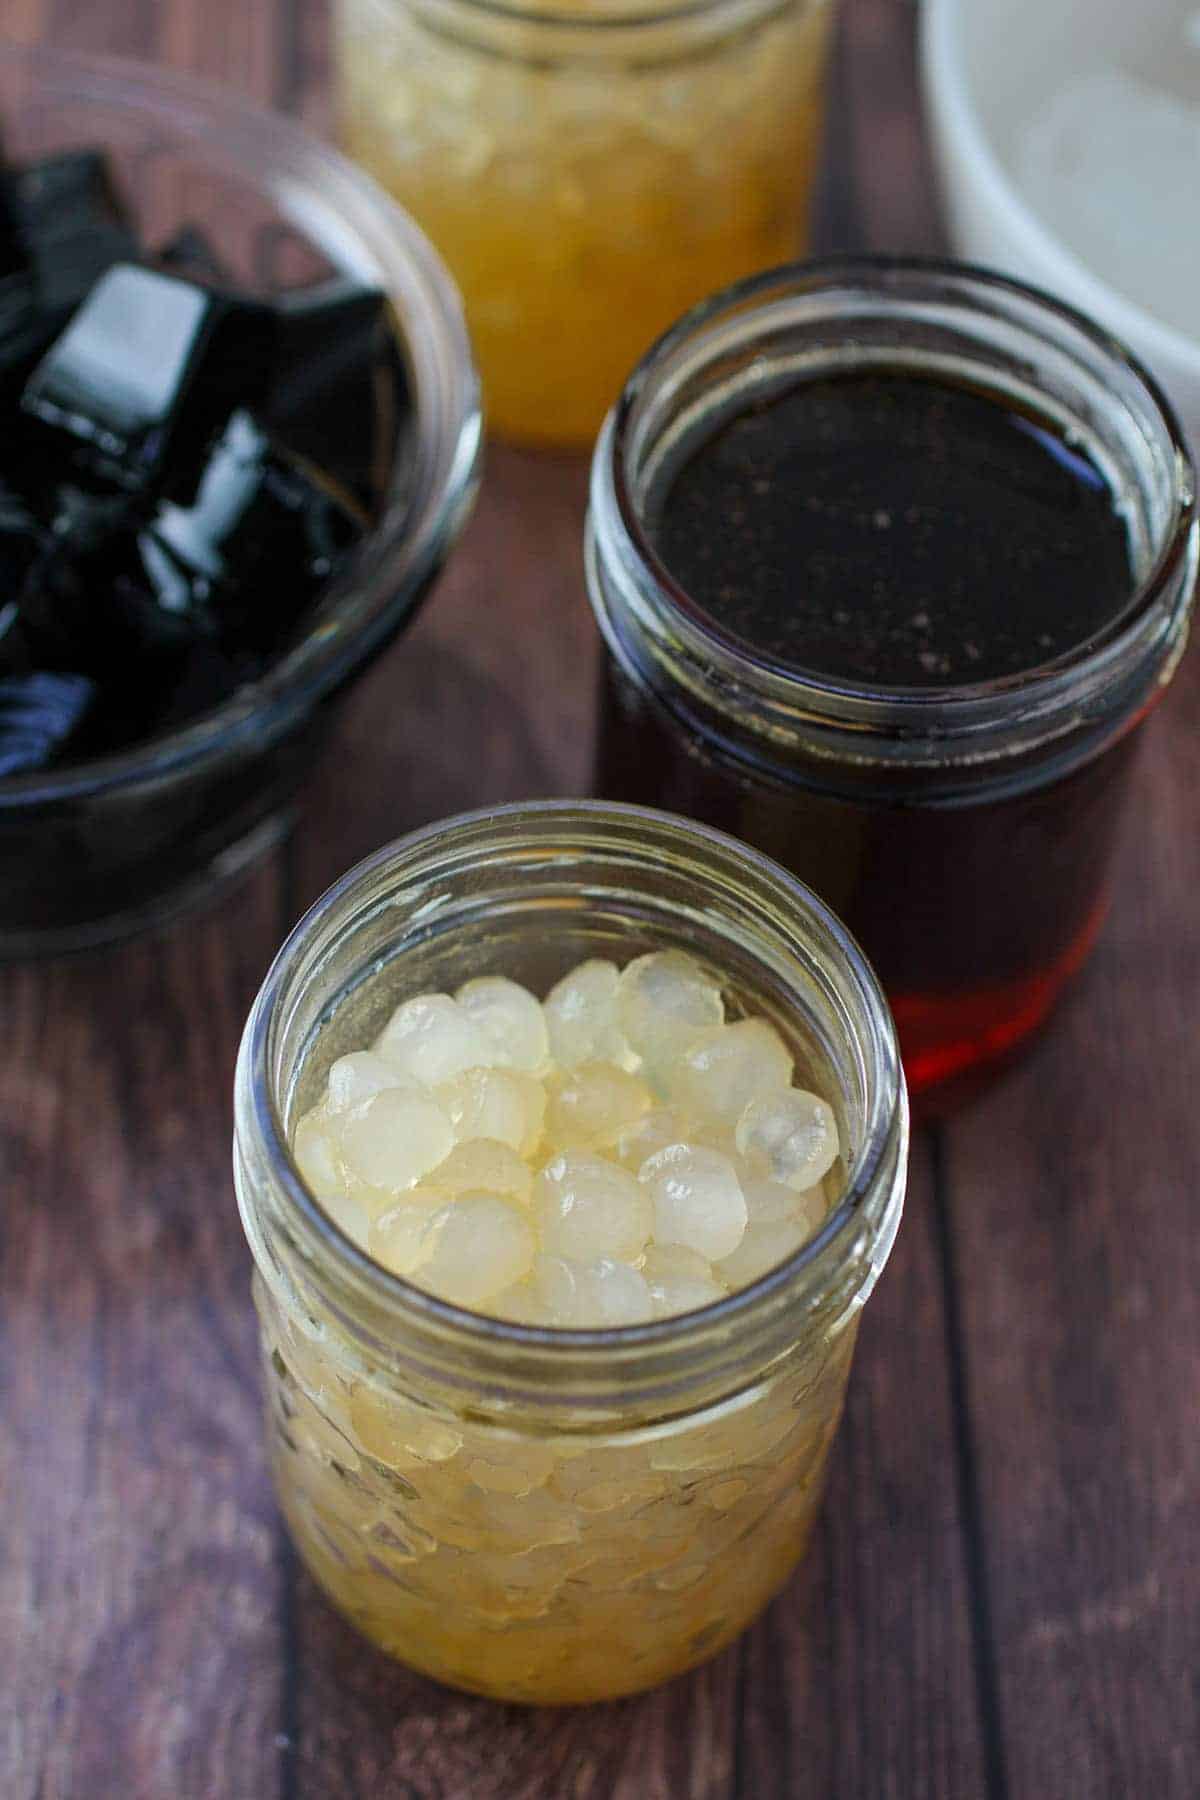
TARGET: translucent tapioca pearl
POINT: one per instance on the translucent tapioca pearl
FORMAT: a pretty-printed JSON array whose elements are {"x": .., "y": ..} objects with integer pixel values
[
  {"x": 791, "y": 1135},
  {"x": 591, "y": 1106},
  {"x": 516, "y": 1468},
  {"x": 516, "y": 1305},
  {"x": 663, "y": 1001},
  {"x": 619, "y": 1295},
  {"x": 345, "y": 1196},
  {"x": 679, "y": 1280},
  {"x": 535, "y": 1113},
  {"x": 667, "y": 1261},
  {"x": 653, "y": 1131},
  {"x": 620, "y": 1467},
  {"x": 672, "y": 1294},
  {"x": 590, "y": 1296},
  {"x": 355, "y": 1078},
  {"x": 299, "y": 1343},
  {"x": 397, "y": 1434},
  {"x": 399, "y": 1237},
  {"x": 480, "y": 1245},
  {"x": 394, "y": 1138},
  {"x": 320, "y": 1435},
  {"x": 556, "y": 1289},
  {"x": 371, "y": 1200},
  {"x": 495, "y": 1103},
  {"x": 511, "y": 1020},
  {"x": 349, "y": 1215},
  {"x": 484, "y": 1165},
  {"x": 431, "y": 1039},
  {"x": 581, "y": 1017},
  {"x": 697, "y": 1199},
  {"x": 763, "y": 1247},
  {"x": 317, "y": 1156},
  {"x": 589, "y": 1207},
  {"x": 768, "y": 1201},
  {"x": 727, "y": 1067},
  {"x": 812, "y": 1208}
]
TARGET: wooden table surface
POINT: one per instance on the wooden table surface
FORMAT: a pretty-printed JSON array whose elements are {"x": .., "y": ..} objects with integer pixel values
[{"x": 1003, "y": 1597}]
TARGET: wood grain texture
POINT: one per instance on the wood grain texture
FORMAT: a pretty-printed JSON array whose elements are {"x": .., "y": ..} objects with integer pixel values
[
  {"x": 1072, "y": 1194},
  {"x": 139, "y": 1614},
  {"x": 141, "y": 1603}
]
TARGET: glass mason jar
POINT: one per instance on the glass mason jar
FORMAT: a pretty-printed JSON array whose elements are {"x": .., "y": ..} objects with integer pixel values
[
  {"x": 96, "y": 850},
  {"x": 536, "y": 1514},
  {"x": 964, "y": 833},
  {"x": 587, "y": 168}
]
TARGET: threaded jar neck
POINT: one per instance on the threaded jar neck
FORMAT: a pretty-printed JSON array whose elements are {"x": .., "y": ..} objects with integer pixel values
[
  {"x": 944, "y": 321},
  {"x": 603, "y": 33},
  {"x": 528, "y": 890}
]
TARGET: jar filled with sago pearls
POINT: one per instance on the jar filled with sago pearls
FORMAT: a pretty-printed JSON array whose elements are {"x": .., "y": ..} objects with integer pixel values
[
  {"x": 588, "y": 169},
  {"x": 570, "y": 1141}
]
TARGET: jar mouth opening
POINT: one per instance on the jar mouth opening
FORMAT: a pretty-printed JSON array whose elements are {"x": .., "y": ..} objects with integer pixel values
[
  {"x": 885, "y": 1114},
  {"x": 602, "y": 17},
  {"x": 899, "y": 279}
]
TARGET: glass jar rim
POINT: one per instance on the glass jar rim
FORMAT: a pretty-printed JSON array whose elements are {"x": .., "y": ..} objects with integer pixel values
[
  {"x": 604, "y": 17},
  {"x": 965, "y": 707},
  {"x": 881, "y": 1149}
]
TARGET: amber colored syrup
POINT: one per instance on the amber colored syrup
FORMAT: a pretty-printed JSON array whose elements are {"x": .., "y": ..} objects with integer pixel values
[
  {"x": 975, "y": 915},
  {"x": 891, "y": 529},
  {"x": 952, "y": 1044}
]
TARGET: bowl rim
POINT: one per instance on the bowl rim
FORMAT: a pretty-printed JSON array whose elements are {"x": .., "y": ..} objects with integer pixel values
[
  {"x": 950, "y": 97},
  {"x": 313, "y": 186}
]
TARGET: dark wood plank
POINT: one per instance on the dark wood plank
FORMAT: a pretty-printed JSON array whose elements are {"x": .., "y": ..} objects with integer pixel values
[
  {"x": 881, "y": 139},
  {"x": 860, "y": 1679},
  {"x": 140, "y": 1597},
  {"x": 139, "y": 1613},
  {"x": 1072, "y": 1199}
]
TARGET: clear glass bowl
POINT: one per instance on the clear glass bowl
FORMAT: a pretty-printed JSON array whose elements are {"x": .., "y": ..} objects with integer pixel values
[{"x": 101, "y": 850}]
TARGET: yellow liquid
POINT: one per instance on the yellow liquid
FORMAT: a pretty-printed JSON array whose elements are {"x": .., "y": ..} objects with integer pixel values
[
  {"x": 582, "y": 206},
  {"x": 551, "y": 1569}
]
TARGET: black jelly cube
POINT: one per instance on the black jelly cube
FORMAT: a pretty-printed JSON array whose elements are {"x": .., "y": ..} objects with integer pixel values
[
  {"x": 69, "y": 265},
  {"x": 145, "y": 372},
  {"x": 122, "y": 366},
  {"x": 339, "y": 386},
  {"x": 262, "y": 538},
  {"x": 40, "y": 713},
  {"x": 74, "y": 225},
  {"x": 22, "y": 334},
  {"x": 22, "y": 543},
  {"x": 72, "y": 187},
  {"x": 14, "y": 253},
  {"x": 70, "y": 619},
  {"x": 14, "y": 649},
  {"x": 170, "y": 608},
  {"x": 92, "y": 606}
]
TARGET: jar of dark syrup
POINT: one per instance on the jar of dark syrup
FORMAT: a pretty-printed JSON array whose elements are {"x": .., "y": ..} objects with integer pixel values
[{"x": 891, "y": 559}]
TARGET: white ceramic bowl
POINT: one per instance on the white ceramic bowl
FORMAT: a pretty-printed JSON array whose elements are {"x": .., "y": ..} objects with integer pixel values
[{"x": 988, "y": 68}]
